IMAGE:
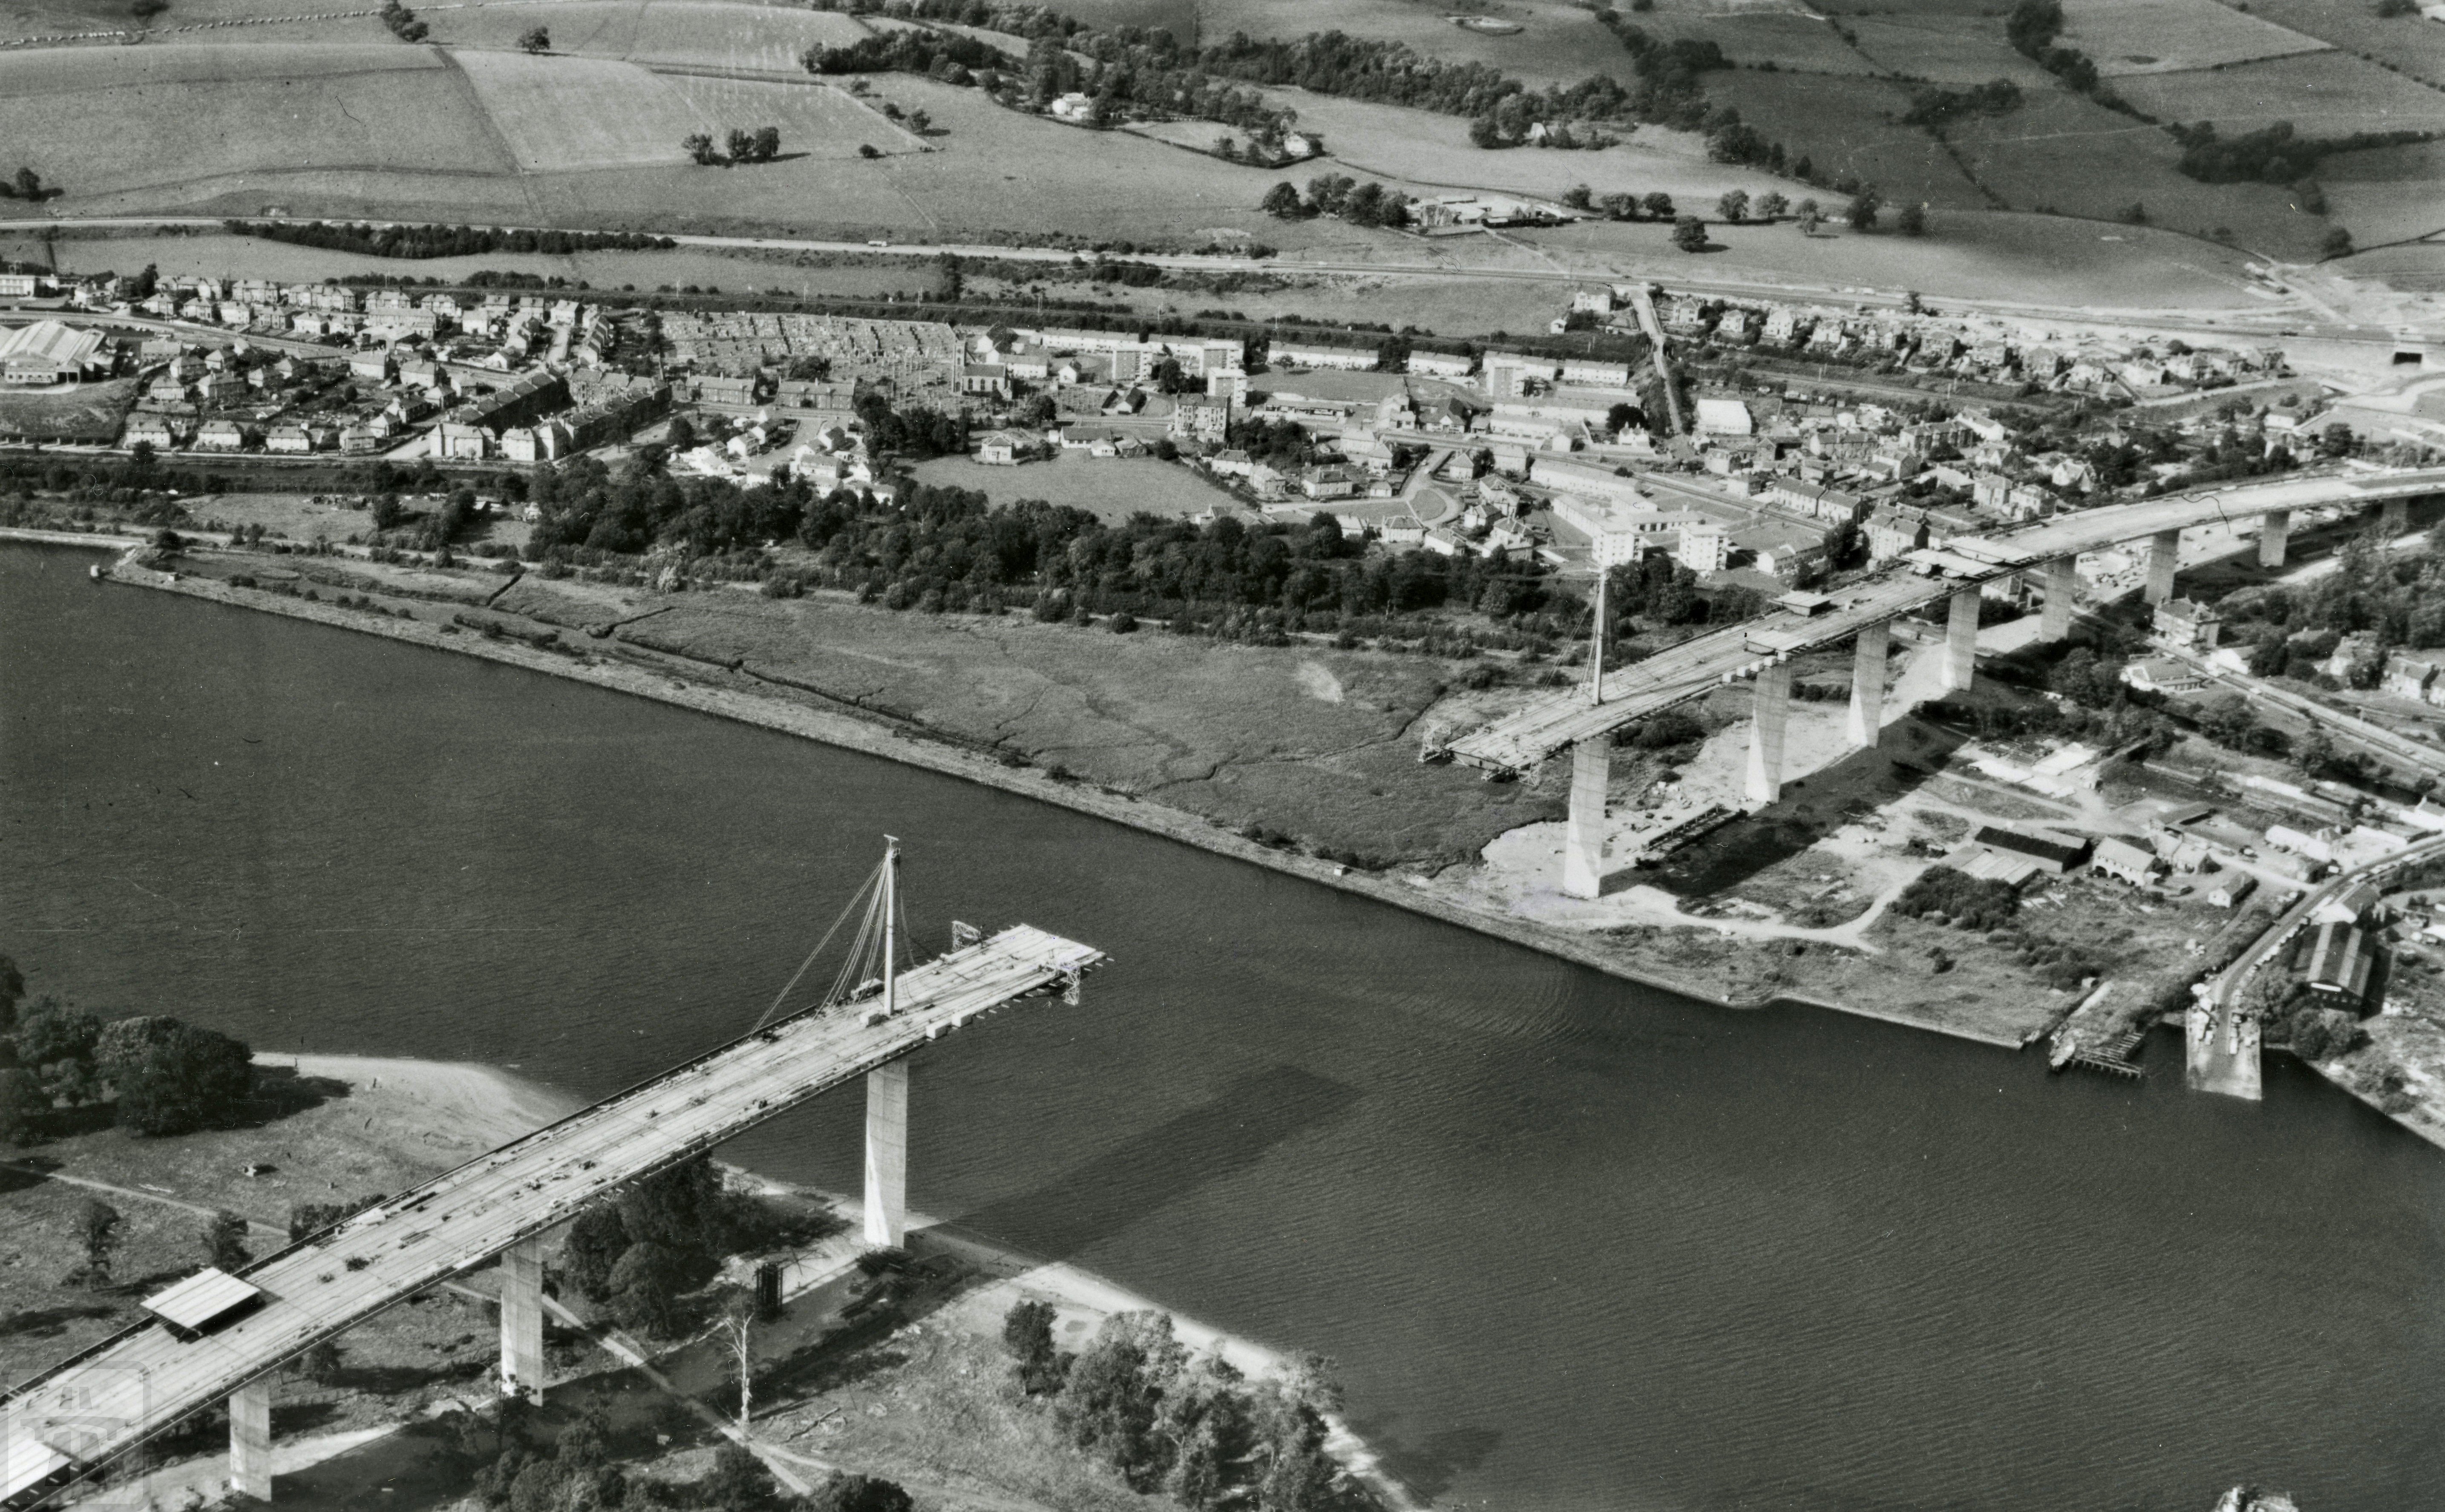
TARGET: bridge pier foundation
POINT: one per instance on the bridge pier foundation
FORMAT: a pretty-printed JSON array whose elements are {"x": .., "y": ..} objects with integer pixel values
[
  {"x": 1771, "y": 707},
  {"x": 522, "y": 1364},
  {"x": 1868, "y": 686},
  {"x": 2164, "y": 551},
  {"x": 2063, "y": 592},
  {"x": 249, "y": 1415},
  {"x": 1961, "y": 640},
  {"x": 1583, "y": 833},
  {"x": 886, "y": 1155},
  {"x": 2394, "y": 517},
  {"x": 2274, "y": 531}
]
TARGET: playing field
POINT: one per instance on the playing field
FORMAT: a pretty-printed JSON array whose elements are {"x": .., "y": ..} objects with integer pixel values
[
  {"x": 2159, "y": 36},
  {"x": 1845, "y": 125},
  {"x": 1945, "y": 48},
  {"x": 100, "y": 120},
  {"x": 2324, "y": 94},
  {"x": 680, "y": 33}
]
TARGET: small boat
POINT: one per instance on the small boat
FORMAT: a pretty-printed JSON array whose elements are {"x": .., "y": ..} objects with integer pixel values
[
  {"x": 94, "y": 572},
  {"x": 2066, "y": 1045}
]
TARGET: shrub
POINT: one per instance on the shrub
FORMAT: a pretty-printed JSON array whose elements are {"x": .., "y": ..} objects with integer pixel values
[
  {"x": 1969, "y": 903},
  {"x": 187, "y": 1079}
]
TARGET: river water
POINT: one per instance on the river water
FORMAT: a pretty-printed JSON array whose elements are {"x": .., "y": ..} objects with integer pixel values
[{"x": 1574, "y": 1243}]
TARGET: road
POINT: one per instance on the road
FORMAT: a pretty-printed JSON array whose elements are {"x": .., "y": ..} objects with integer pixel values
[
  {"x": 88, "y": 1411},
  {"x": 1547, "y": 724},
  {"x": 2226, "y": 995}
]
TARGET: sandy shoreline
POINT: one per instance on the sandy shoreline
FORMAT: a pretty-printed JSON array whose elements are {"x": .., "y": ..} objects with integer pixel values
[{"x": 852, "y": 734}]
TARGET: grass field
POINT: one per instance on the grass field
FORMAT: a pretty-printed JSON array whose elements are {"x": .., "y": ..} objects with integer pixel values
[
  {"x": 2062, "y": 152},
  {"x": 2410, "y": 43},
  {"x": 2325, "y": 94},
  {"x": 1842, "y": 126},
  {"x": 565, "y": 113},
  {"x": 89, "y": 412},
  {"x": 1111, "y": 489},
  {"x": 1557, "y": 43},
  {"x": 2163, "y": 36},
  {"x": 95, "y": 118},
  {"x": 684, "y": 34},
  {"x": 815, "y": 118},
  {"x": 1800, "y": 43},
  {"x": 2419, "y": 268},
  {"x": 1946, "y": 47},
  {"x": 2389, "y": 194}
]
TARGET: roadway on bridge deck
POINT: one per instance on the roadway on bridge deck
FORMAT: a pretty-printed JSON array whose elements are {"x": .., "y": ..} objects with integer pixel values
[
  {"x": 139, "y": 1382},
  {"x": 1553, "y": 721}
]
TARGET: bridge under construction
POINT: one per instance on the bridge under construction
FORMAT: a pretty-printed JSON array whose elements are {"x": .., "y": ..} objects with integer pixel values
[
  {"x": 219, "y": 1336},
  {"x": 1583, "y": 719}
]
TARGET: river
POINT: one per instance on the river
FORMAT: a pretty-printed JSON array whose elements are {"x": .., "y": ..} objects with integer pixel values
[{"x": 1574, "y": 1243}]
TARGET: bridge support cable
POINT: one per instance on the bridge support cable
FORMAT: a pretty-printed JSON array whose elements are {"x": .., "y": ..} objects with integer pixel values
[
  {"x": 862, "y": 894},
  {"x": 1768, "y": 711},
  {"x": 1868, "y": 686},
  {"x": 1961, "y": 639},
  {"x": 1583, "y": 833},
  {"x": 2062, "y": 596}
]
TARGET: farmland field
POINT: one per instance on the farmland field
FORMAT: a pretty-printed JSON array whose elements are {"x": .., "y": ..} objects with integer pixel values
[
  {"x": 815, "y": 118},
  {"x": 2325, "y": 94},
  {"x": 2388, "y": 195},
  {"x": 175, "y": 117},
  {"x": 2419, "y": 268},
  {"x": 1945, "y": 48},
  {"x": 1557, "y": 43},
  {"x": 562, "y": 113},
  {"x": 1842, "y": 126},
  {"x": 2064, "y": 153},
  {"x": 1796, "y": 43},
  {"x": 2163, "y": 36},
  {"x": 683, "y": 33},
  {"x": 1111, "y": 489},
  {"x": 2410, "y": 43}
]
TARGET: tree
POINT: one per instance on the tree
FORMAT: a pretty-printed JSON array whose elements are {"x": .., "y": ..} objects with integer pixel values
[
  {"x": 596, "y": 1242},
  {"x": 321, "y": 1364},
  {"x": 55, "y": 1040},
  {"x": 741, "y": 143},
  {"x": 1912, "y": 220},
  {"x": 2338, "y": 243},
  {"x": 1690, "y": 234},
  {"x": 191, "y": 1078},
  {"x": 2314, "y": 752},
  {"x": 735, "y": 1324},
  {"x": 845, "y": 1493},
  {"x": 1733, "y": 205},
  {"x": 224, "y": 1241},
  {"x": 1770, "y": 206},
  {"x": 13, "y": 992},
  {"x": 767, "y": 145},
  {"x": 644, "y": 1288},
  {"x": 23, "y": 1104},
  {"x": 1282, "y": 202},
  {"x": 1027, "y": 1333},
  {"x": 921, "y": 122},
  {"x": 1578, "y": 197},
  {"x": 1658, "y": 206},
  {"x": 1861, "y": 212},
  {"x": 1808, "y": 217},
  {"x": 737, "y": 1483},
  {"x": 866, "y": 149},
  {"x": 140, "y": 456},
  {"x": 535, "y": 38},
  {"x": 1108, "y": 1406},
  {"x": 699, "y": 150},
  {"x": 97, "y": 1226},
  {"x": 29, "y": 184}
]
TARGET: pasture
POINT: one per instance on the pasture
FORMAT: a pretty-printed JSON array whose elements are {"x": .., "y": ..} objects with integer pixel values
[
  {"x": 1842, "y": 126},
  {"x": 568, "y": 113},
  {"x": 1801, "y": 43},
  {"x": 1557, "y": 43},
  {"x": 176, "y": 120},
  {"x": 2166, "y": 36},
  {"x": 1948, "y": 49},
  {"x": 674, "y": 33},
  {"x": 86, "y": 412},
  {"x": 815, "y": 118},
  {"x": 2388, "y": 195},
  {"x": 2325, "y": 94},
  {"x": 1111, "y": 489},
  {"x": 2410, "y": 43}
]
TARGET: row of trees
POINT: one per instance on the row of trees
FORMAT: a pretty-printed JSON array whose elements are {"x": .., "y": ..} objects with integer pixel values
[
  {"x": 763, "y": 145},
  {"x": 156, "y": 1074},
  {"x": 442, "y": 241},
  {"x": 1367, "y": 204},
  {"x": 26, "y": 184},
  {"x": 1196, "y": 1429},
  {"x": 2273, "y": 154}
]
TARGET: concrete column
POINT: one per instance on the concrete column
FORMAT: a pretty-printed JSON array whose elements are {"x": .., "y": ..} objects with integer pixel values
[
  {"x": 1868, "y": 687},
  {"x": 522, "y": 1365},
  {"x": 1766, "y": 713},
  {"x": 886, "y": 1155},
  {"x": 249, "y": 1411},
  {"x": 2274, "y": 529},
  {"x": 2164, "y": 550},
  {"x": 1584, "y": 835},
  {"x": 2394, "y": 517},
  {"x": 2063, "y": 592},
  {"x": 1961, "y": 641}
]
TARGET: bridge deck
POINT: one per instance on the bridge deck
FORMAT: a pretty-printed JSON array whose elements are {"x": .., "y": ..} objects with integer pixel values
[
  {"x": 1553, "y": 721},
  {"x": 89, "y": 1409}
]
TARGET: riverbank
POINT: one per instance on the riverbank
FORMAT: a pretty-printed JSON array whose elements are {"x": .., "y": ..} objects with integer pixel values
[{"x": 1693, "y": 959}]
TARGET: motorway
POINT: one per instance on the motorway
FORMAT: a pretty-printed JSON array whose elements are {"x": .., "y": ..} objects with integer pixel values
[
  {"x": 87, "y": 1411},
  {"x": 1553, "y": 721}
]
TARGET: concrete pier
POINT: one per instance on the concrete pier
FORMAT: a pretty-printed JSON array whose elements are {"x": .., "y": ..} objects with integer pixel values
[
  {"x": 2222, "y": 1053},
  {"x": 886, "y": 1155},
  {"x": 1868, "y": 686},
  {"x": 2062, "y": 595},
  {"x": 1961, "y": 641},
  {"x": 2164, "y": 552},
  {"x": 522, "y": 1366},
  {"x": 1584, "y": 835},
  {"x": 249, "y": 1414},
  {"x": 1767, "y": 712},
  {"x": 2274, "y": 532}
]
